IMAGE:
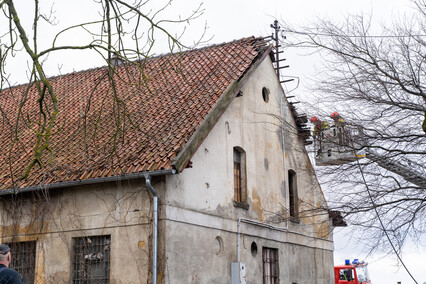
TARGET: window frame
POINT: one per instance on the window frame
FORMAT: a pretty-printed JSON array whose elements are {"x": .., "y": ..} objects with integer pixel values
[
  {"x": 239, "y": 167},
  {"x": 293, "y": 196},
  {"x": 89, "y": 251},
  {"x": 270, "y": 265},
  {"x": 25, "y": 268}
]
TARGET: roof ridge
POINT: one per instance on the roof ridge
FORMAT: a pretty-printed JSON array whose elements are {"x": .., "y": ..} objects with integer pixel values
[{"x": 161, "y": 55}]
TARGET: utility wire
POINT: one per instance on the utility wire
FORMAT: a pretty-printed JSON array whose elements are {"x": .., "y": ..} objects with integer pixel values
[
  {"x": 354, "y": 36},
  {"x": 378, "y": 216}
]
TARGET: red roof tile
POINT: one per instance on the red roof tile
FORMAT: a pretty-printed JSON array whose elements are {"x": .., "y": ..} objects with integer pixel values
[{"x": 97, "y": 137}]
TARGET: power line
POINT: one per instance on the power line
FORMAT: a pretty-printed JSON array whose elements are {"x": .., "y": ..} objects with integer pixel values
[
  {"x": 356, "y": 36},
  {"x": 378, "y": 216}
]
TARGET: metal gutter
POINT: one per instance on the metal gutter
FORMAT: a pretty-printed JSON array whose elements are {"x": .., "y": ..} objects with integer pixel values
[
  {"x": 88, "y": 181},
  {"x": 282, "y": 100}
]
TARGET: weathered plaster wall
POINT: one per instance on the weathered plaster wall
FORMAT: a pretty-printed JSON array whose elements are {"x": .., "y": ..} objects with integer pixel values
[
  {"x": 54, "y": 218},
  {"x": 198, "y": 221},
  {"x": 251, "y": 124},
  {"x": 199, "y": 201}
]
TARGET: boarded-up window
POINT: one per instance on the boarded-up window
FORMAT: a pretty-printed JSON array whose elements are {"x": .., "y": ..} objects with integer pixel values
[
  {"x": 91, "y": 260},
  {"x": 239, "y": 175},
  {"x": 23, "y": 260},
  {"x": 270, "y": 265}
]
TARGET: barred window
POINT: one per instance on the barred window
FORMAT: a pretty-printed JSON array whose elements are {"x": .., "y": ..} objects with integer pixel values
[
  {"x": 270, "y": 265},
  {"x": 91, "y": 260},
  {"x": 23, "y": 260}
]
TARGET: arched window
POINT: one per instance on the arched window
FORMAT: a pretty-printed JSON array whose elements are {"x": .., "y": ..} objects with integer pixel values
[
  {"x": 240, "y": 179},
  {"x": 293, "y": 198}
]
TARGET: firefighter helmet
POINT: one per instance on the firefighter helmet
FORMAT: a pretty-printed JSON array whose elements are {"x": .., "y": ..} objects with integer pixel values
[
  {"x": 334, "y": 115},
  {"x": 314, "y": 119}
]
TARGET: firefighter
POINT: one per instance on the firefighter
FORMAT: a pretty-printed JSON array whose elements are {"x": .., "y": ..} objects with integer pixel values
[
  {"x": 339, "y": 124},
  {"x": 319, "y": 127},
  {"x": 338, "y": 120}
]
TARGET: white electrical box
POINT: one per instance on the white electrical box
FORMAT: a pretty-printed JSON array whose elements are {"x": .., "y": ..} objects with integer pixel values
[{"x": 238, "y": 273}]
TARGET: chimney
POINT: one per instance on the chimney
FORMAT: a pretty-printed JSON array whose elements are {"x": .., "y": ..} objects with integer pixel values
[{"x": 116, "y": 60}]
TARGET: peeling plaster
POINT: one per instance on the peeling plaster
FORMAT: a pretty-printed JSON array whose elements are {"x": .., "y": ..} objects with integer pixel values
[
  {"x": 59, "y": 277},
  {"x": 257, "y": 205},
  {"x": 31, "y": 232},
  {"x": 322, "y": 230}
]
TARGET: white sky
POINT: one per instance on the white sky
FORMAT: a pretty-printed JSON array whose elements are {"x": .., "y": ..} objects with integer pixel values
[{"x": 235, "y": 19}]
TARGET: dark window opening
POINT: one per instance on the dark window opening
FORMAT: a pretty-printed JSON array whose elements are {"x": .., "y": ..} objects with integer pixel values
[
  {"x": 293, "y": 198},
  {"x": 237, "y": 176},
  {"x": 270, "y": 265},
  {"x": 265, "y": 94},
  {"x": 23, "y": 256},
  {"x": 253, "y": 248},
  {"x": 91, "y": 261}
]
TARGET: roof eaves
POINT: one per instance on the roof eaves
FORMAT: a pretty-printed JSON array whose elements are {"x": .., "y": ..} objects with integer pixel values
[{"x": 89, "y": 181}]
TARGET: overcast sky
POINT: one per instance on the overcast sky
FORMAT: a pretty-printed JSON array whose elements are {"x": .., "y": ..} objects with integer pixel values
[
  {"x": 229, "y": 20},
  {"x": 235, "y": 19}
]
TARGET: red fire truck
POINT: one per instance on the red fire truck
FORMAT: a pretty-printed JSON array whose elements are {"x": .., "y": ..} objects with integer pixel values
[{"x": 352, "y": 273}]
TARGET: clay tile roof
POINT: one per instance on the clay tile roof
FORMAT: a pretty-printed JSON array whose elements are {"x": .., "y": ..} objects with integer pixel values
[{"x": 95, "y": 136}]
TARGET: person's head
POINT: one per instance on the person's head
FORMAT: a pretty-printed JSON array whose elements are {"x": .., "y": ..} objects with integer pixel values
[
  {"x": 4, "y": 254},
  {"x": 335, "y": 115},
  {"x": 314, "y": 119}
]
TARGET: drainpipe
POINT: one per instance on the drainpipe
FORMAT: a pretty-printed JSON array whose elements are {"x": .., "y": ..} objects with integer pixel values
[
  {"x": 257, "y": 223},
  {"x": 282, "y": 101},
  {"x": 238, "y": 239},
  {"x": 154, "y": 229},
  {"x": 132, "y": 176}
]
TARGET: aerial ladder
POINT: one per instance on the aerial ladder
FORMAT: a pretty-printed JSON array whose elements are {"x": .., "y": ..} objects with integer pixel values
[{"x": 338, "y": 146}]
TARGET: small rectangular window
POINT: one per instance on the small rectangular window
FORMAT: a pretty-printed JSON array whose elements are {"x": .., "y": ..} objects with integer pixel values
[
  {"x": 23, "y": 255},
  {"x": 237, "y": 176},
  {"x": 293, "y": 196},
  {"x": 91, "y": 260},
  {"x": 240, "y": 179},
  {"x": 270, "y": 265}
]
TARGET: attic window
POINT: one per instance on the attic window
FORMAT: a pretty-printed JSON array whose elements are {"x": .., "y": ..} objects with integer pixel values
[
  {"x": 240, "y": 178},
  {"x": 293, "y": 196},
  {"x": 265, "y": 94}
]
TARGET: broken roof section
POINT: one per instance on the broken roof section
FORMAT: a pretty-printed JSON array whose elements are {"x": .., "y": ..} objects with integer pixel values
[{"x": 159, "y": 105}]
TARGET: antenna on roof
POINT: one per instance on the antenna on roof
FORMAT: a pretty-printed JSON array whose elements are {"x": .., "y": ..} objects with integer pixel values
[
  {"x": 303, "y": 130},
  {"x": 277, "y": 51}
]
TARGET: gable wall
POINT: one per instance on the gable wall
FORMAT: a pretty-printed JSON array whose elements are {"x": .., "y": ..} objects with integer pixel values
[
  {"x": 198, "y": 219},
  {"x": 201, "y": 219}
]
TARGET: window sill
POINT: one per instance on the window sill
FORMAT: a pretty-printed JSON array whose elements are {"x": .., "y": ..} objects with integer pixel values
[
  {"x": 295, "y": 220},
  {"x": 241, "y": 205}
]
